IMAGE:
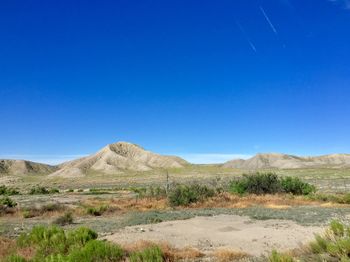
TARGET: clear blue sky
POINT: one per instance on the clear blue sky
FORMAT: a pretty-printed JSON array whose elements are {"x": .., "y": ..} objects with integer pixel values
[{"x": 179, "y": 77}]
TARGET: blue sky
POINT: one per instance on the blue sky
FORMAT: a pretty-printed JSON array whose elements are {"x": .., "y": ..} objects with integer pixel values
[{"x": 207, "y": 80}]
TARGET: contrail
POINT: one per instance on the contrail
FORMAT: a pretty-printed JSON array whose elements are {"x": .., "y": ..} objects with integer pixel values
[
  {"x": 268, "y": 20},
  {"x": 252, "y": 46}
]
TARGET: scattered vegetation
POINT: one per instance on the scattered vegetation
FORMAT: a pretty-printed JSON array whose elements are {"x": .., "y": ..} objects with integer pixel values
[
  {"x": 334, "y": 245},
  {"x": 7, "y": 205},
  {"x": 280, "y": 257},
  {"x": 29, "y": 212},
  {"x": 270, "y": 183},
  {"x": 96, "y": 211},
  {"x": 183, "y": 195},
  {"x": 66, "y": 219},
  {"x": 57, "y": 245},
  {"x": 39, "y": 190},
  {"x": 7, "y": 202},
  {"x": 150, "y": 192},
  {"x": 335, "y": 198},
  {"x": 8, "y": 191}
]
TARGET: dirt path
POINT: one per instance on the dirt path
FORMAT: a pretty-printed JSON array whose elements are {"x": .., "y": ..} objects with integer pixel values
[{"x": 207, "y": 234}]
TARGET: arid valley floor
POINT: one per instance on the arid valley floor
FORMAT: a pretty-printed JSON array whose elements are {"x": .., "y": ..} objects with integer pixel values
[{"x": 130, "y": 206}]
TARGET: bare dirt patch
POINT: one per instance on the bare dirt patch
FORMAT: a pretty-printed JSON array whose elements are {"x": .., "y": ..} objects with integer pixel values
[{"x": 231, "y": 232}]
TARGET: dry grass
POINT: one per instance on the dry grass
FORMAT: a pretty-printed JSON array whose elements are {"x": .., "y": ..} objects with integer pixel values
[
  {"x": 279, "y": 201},
  {"x": 170, "y": 253},
  {"x": 129, "y": 204},
  {"x": 226, "y": 255},
  {"x": 6, "y": 246},
  {"x": 224, "y": 200}
]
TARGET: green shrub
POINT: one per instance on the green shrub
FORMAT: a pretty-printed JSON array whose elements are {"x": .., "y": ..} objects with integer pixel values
[
  {"x": 70, "y": 190},
  {"x": 38, "y": 191},
  {"x": 96, "y": 211},
  {"x": 54, "y": 191},
  {"x": 7, "y": 202},
  {"x": 183, "y": 195},
  {"x": 335, "y": 243},
  {"x": 153, "y": 254},
  {"x": 53, "y": 243},
  {"x": 80, "y": 190},
  {"x": 295, "y": 186},
  {"x": 8, "y": 191},
  {"x": 278, "y": 257},
  {"x": 96, "y": 251},
  {"x": 66, "y": 219},
  {"x": 270, "y": 183},
  {"x": 259, "y": 183}
]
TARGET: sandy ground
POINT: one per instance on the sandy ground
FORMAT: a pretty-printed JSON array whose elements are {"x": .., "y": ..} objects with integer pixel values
[{"x": 207, "y": 234}]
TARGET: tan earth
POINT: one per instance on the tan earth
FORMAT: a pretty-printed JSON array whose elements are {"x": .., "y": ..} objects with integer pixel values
[
  {"x": 23, "y": 167},
  {"x": 283, "y": 161},
  {"x": 116, "y": 158},
  {"x": 232, "y": 232}
]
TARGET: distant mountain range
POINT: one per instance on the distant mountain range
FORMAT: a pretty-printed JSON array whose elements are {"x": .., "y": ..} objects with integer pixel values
[
  {"x": 122, "y": 156},
  {"x": 283, "y": 161},
  {"x": 113, "y": 158}
]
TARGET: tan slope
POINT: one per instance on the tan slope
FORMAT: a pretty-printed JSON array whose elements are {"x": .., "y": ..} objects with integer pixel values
[
  {"x": 283, "y": 161},
  {"x": 116, "y": 158},
  {"x": 23, "y": 167}
]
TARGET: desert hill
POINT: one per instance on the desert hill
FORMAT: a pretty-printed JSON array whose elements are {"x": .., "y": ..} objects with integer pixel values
[
  {"x": 23, "y": 167},
  {"x": 283, "y": 161},
  {"x": 118, "y": 157}
]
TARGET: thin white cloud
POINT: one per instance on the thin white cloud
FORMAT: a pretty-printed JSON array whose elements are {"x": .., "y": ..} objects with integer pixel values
[
  {"x": 251, "y": 44},
  {"x": 268, "y": 20},
  {"x": 211, "y": 158},
  {"x": 45, "y": 159}
]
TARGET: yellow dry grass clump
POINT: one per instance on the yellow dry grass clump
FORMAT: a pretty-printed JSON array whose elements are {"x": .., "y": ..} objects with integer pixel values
[{"x": 226, "y": 255}]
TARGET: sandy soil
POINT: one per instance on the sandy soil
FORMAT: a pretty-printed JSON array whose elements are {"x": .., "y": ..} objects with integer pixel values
[{"x": 207, "y": 234}]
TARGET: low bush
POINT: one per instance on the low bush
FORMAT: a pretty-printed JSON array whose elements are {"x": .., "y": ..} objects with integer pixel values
[
  {"x": 7, "y": 205},
  {"x": 7, "y": 202},
  {"x": 53, "y": 244},
  {"x": 183, "y": 195},
  {"x": 270, "y": 183},
  {"x": 54, "y": 191},
  {"x": 149, "y": 254},
  {"x": 96, "y": 250},
  {"x": 66, "y": 219},
  {"x": 96, "y": 211},
  {"x": 40, "y": 190},
  {"x": 259, "y": 183},
  {"x": 335, "y": 243},
  {"x": 8, "y": 191},
  {"x": 149, "y": 192},
  {"x": 279, "y": 257},
  {"x": 295, "y": 186}
]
